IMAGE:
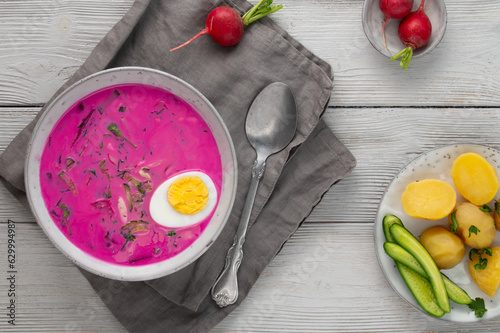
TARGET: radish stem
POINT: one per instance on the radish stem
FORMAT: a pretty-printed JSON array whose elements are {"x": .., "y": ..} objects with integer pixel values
[
  {"x": 261, "y": 9},
  {"x": 405, "y": 55}
]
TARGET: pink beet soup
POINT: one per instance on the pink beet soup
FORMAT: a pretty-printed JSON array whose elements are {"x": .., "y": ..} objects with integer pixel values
[{"x": 103, "y": 161}]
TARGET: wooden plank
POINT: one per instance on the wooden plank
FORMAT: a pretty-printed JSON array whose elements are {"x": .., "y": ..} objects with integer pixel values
[
  {"x": 45, "y": 42},
  {"x": 384, "y": 140},
  {"x": 51, "y": 295},
  {"x": 325, "y": 279}
]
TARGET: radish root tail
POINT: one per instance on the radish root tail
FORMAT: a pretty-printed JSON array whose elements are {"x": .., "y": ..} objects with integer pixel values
[
  {"x": 383, "y": 31},
  {"x": 201, "y": 33}
]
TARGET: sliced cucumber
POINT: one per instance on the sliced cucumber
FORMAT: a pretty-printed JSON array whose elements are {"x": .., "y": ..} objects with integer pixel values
[
  {"x": 404, "y": 238},
  {"x": 421, "y": 289},
  {"x": 387, "y": 222},
  {"x": 396, "y": 252},
  {"x": 455, "y": 293}
]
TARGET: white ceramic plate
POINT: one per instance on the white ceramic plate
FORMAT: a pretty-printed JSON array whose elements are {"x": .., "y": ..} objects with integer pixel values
[{"x": 436, "y": 164}]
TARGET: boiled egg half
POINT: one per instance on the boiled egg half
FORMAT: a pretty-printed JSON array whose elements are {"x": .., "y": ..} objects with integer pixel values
[{"x": 183, "y": 200}]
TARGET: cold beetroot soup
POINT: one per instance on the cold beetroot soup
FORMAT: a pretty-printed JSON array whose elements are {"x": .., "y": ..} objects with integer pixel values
[{"x": 106, "y": 158}]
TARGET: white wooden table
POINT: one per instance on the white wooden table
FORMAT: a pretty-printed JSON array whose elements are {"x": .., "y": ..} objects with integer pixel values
[{"x": 326, "y": 278}]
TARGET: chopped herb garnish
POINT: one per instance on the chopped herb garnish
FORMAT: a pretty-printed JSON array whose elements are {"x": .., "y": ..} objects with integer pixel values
[
  {"x": 171, "y": 233},
  {"x": 122, "y": 109},
  {"x": 68, "y": 181},
  {"x": 92, "y": 171},
  {"x": 122, "y": 174},
  {"x": 108, "y": 195},
  {"x": 84, "y": 123},
  {"x": 116, "y": 131},
  {"x": 473, "y": 230},
  {"x": 486, "y": 208},
  {"x": 483, "y": 262},
  {"x": 497, "y": 208},
  {"x": 84, "y": 147},
  {"x": 140, "y": 189},
  {"x": 478, "y": 307},
  {"x": 102, "y": 167},
  {"x": 454, "y": 223},
  {"x": 69, "y": 163},
  {"x": 65, "y": 214},
  {"x": 81, "y": 106},
  {"x": 128, "y": 238}
]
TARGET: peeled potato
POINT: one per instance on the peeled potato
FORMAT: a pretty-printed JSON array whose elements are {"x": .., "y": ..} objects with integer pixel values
[
  {"x": 475, "y": 178},
  {"x": 430, "y": 199},
  {"x": 487, "y": 279},
  {"x": 470, "y": 217},
  {"x": 445, "y": 248}
]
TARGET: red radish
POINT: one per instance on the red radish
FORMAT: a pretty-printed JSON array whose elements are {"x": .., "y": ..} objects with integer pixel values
[
  {"x": 414, "y": 31},
  {"x": 225, "y": 25},
  {"x": 394, "y": 9}
]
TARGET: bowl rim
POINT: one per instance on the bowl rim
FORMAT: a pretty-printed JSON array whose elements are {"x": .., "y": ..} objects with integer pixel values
[{"x": 116, "y": 271}]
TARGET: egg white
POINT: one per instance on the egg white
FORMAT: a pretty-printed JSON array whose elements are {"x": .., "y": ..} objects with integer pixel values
[{"x": 164, "y": 214}]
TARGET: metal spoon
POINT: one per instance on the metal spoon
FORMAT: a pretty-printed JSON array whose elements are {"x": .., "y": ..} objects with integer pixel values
[{"x": 270, "y": 126}]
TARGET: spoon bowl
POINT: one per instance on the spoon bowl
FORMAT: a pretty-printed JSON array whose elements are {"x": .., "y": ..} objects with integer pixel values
[{"x": 271, "y": 126}]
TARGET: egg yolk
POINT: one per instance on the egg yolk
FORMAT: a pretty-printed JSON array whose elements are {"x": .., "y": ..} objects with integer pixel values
[{"x": 188, "y": 195}]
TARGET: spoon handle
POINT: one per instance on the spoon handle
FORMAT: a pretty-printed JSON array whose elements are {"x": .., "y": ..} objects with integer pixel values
[{"x": 225, "y": 289}]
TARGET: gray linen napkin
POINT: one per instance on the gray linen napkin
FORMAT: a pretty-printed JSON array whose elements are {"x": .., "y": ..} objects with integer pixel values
[{"x": 230, "y": 77}]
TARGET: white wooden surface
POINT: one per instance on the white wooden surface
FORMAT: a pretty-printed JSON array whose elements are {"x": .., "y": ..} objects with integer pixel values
[{"x": 326, "y": 278}]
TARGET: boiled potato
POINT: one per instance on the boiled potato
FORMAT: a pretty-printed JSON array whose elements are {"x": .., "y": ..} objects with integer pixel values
[
  {"x": 486, "y": 278},
  {"x": 475, "y": 227},
  {"x": 475, "y": 178},
  {"x": 445, "y": 248},
  {"x": 430, "y": 199}
]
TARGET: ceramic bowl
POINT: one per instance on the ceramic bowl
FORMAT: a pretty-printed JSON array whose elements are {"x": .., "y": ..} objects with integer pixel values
[
  {"x": 372, "y": 25},
  {"x": 102, "y": 80}
]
